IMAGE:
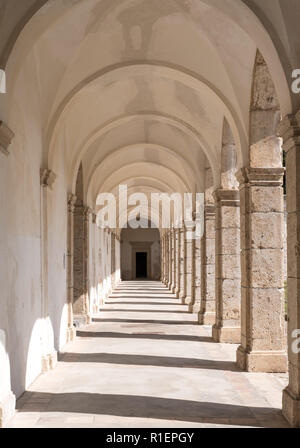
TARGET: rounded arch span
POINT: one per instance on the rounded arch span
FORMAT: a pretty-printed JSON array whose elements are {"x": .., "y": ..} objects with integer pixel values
[
  {"x": 148, "y": 170},
  {"x": 180, "y": 124},
  {"x": 166, "y": 155},
  {"x": 168, "y": 71}
]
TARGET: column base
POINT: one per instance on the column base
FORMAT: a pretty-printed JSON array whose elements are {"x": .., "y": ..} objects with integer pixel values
[
  {"x": 169, "y": 285},
  {"x": 49, "y": 361},
  {"x": 194, "y": 308},
  {"x": 173, "y": 289},
  {"x": 188, "y": 300},
  {"x": 291, "y": 407},
  {"x": 182, "y": 297},
  {"x": 7, "y": 409},
  {"x": 177, "y": 292},
  {"x": 208, "y": 318},
  {"x": 71, "y": 334},
  {"x": 229, "y": 335},
  {"x": 82, "y": 319},
  {"x": 264, "y": 361}
]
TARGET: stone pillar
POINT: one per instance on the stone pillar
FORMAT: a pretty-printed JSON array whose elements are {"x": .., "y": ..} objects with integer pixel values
[
  {"x": 174, "y": 271},
  {"x": 190, "y": 269},
  {"x": 113, "y": 260},
  {"x": 49, "y": 355},
  {"x": 81, "y": 253},
  {"x": 87, "y": 213},
  {"x": 162, "y": 259},
  {"x": 198, "y": 274},
  {"x": 227, "y": 266},
  {"x": 166, "y": 238},
  {"x": 182, "y": 293},
  {"x": 263, "y": 343},
  {"x": 170, "y": 259},
  {"x": 177, "y": 238},
  {"x": 289, "y": 129},
  {"x": 71, "y": 332},
  {"x": 207, "y": 315}
]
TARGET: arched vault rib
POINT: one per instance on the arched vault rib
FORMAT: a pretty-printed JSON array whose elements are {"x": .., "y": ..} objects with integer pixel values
[
  {"x": 113, "y": 124},
  {"x": 179, "y": 184},
  {"x": 137, "y": 182},
  {"x": 120, "y": 153},
  {"x": 167, "y": 70}
]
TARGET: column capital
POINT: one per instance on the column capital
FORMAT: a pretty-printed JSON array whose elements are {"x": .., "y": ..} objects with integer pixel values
[
  {"x": 224, "y": 197},
  {"x": 6, "y": 137},
  {"x": 47, "y": 177},
  {"x": 87, "y": 211},
  {"x": 289, "y": 130},
  {"x": 94, "y": 217},
  {"x": 71, "y": 201},
  {"x": 262, "y": 177},
  {"x": 209, "y": 209}
]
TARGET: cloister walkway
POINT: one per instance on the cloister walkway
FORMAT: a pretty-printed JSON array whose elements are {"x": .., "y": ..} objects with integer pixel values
[{"x": 145, "y": 362}]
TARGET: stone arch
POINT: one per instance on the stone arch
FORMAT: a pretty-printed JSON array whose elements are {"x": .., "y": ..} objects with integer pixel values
[{"x": 264, "y": 106}]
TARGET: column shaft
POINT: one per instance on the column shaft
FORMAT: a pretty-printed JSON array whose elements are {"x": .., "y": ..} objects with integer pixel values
[
  {"x": 207, "y": 313},
  {"x": 227, "y": 266}
]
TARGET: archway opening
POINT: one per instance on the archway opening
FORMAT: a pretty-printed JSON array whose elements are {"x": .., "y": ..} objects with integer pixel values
[{"x": 140, "y": 253}]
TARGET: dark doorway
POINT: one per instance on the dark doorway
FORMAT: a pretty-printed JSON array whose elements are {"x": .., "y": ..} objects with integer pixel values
[{"x": 141, "y": 264}]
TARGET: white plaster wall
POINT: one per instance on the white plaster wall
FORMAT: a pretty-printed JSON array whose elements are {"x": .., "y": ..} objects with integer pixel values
[{"x": 20, "y": 264}]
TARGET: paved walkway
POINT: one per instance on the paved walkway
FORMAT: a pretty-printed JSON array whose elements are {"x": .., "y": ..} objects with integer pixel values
[{"x": 144, "y": 362}]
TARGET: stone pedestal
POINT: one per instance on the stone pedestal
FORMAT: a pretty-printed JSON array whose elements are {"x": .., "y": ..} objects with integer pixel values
[
  {"x": 263, "y": 341},
  {"x": 182, "y": 293},
  {"x": 207, "y": 315},
  {"x": 227, "y": 265},
  {"x": 289, "y": 129}
]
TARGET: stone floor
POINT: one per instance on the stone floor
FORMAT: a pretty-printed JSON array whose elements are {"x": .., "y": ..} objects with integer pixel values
[{"x": 144, "y": 362}]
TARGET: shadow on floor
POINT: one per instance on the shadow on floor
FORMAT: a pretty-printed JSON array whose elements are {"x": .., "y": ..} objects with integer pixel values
[
  {"x": 148, "y": 360},
  {"x": 144, "y": 303},
  {"x": 158, "y": 336},
  {"x": 108, "y": 310},
  {"x": 150, "y": 321},
  {"x": 151, "y": 407}
]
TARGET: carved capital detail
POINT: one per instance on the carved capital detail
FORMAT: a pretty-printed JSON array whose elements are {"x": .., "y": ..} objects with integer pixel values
[
  {"x": 6, "y": 137},
  {"x": 47, "y": 177}
]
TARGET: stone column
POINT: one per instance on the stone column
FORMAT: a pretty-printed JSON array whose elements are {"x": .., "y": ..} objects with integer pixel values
[
  {"x": 190, "y": 270},
  {"x": 174, "y": 271},
  {"x": 81, "y": 253},
  {"x": 198, "y": 274},
  {"x": 71, "y": 332},
  {"x": 227, "y": 266},
  {"x": 87, "y": 213},
  {"x": 263, "y": 343},
  {"x": 177, "y": 238},
  {"x": 113, "y": 260},
  {"x": 166, "y": 238},
  {"x": 207, "y": 315},
  {"x": 162, "y": 260},
  {"x": 170, "y": 259},
  {"x": 49, "y": 354},
  {"x": 182, "y": 293},
  {"x": 289, "y": 129}
]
